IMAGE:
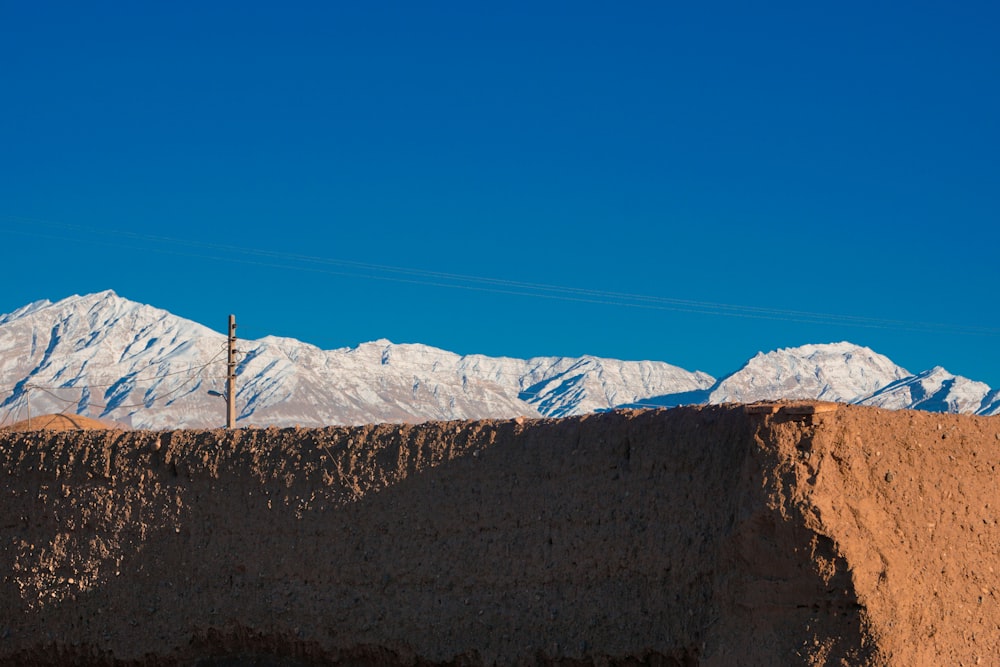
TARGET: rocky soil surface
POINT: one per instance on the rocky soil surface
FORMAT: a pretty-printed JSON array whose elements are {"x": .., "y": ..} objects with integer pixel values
[{"x": 784, "y": 534}]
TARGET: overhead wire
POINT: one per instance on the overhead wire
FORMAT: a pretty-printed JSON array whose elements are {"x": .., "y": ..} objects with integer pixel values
[
  {"x": 484, "y": 375},
  {"x": 385, "y": 272},
  {"x": 151, "y": 364},
  {"x": 70, "y": 403},
  {"x": 407, "y": 275}
]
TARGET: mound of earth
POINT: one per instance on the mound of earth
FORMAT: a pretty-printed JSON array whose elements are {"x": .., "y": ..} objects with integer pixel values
[
  {"x": 61, "y": 422},
  {"x": 796, "y": 534}
]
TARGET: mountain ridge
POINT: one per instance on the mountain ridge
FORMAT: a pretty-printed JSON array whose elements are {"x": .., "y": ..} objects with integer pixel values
[{"x": 104, "y": 356}]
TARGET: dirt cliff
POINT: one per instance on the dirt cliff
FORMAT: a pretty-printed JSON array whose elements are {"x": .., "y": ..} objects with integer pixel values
[{"x": 696, "y": 536}]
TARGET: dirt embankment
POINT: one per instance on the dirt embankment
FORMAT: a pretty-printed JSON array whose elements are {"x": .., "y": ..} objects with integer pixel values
[
  {"x": 695, "y": 536},
  {"x": 60, "y": 422}
]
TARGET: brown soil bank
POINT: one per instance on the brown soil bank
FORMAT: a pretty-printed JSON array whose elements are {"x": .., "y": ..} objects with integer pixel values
[
  {"x": 694, "y": 536},
  {"x": 60, "y": 422}
]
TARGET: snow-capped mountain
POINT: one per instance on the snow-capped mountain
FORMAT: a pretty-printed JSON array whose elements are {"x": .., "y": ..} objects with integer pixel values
[
  {"x": 104, "y": 356},
  {"x": 850, "y": 373},
  {"x": 935, "y": 390},
  {"x": 835, "y": 372}
]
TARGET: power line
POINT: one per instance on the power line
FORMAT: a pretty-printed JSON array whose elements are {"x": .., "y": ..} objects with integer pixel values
[
  {"x": 151, "y": 364},
  {"x": 103, "y": 407},
  {"x": 406, "y": 275},
  {"x": 487, "y": 376}
]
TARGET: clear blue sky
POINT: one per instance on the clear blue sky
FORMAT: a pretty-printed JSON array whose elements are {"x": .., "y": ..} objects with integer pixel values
[{"x": 832, "y": 158}]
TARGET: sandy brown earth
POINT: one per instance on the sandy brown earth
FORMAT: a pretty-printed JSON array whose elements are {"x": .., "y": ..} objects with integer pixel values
[
  {"x": 60, "y": 422},
  {"x": 695, "y": 536}
]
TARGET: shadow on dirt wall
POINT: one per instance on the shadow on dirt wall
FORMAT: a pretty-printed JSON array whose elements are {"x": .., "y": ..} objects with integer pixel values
[{"x": 636, "y": 538}]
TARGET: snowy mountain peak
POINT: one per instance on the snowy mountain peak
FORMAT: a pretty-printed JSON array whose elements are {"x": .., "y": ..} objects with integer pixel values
[
  {"x": 104, "y": 356},
  {"x": 934, "y": 390},
  {"x": 108, "y": 295},
  {"x": 24, "y": 311},
  {"x": 832, "y": 372}
]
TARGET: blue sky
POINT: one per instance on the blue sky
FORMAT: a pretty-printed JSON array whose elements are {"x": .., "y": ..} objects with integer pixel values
[{"x": 314, "y": 168}]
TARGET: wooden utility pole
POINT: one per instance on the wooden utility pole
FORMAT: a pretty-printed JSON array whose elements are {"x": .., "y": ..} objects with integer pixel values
[{"x": 231, "y": 376}]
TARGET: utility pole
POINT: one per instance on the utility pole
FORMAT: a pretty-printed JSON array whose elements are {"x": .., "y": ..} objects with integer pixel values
[{"x": 231, "y": 376}]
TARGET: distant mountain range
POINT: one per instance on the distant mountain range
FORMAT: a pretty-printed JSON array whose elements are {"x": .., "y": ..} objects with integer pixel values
[{"x": 103, "y": 356}]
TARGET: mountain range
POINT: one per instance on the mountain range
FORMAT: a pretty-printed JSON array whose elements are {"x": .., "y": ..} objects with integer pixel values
[{"x": 107, "y": 357}]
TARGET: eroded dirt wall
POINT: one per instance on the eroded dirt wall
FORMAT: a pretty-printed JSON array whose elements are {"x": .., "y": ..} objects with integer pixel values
[
  {"x": 912, "y": 500},
  {"x": 690, "y": 536}
]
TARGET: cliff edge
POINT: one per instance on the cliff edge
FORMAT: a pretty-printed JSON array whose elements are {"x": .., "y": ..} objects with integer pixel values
[{"x": 810, "y": 534}]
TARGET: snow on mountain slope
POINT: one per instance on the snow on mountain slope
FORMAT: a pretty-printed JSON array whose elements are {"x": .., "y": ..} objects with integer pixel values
[
  {"x": 935, "y": 390},
  {"x": 104, "y": 356},
  {"x": 382, "y": 381},
  {"x": 24, "y": 310},
  {"x": 831, "y": 372},
  {"x": 101, "y": 356},
  {"x": 991, "y": 404},
  {"x": 283, "y": 380},
  {"x": 561, "y": 386}
]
